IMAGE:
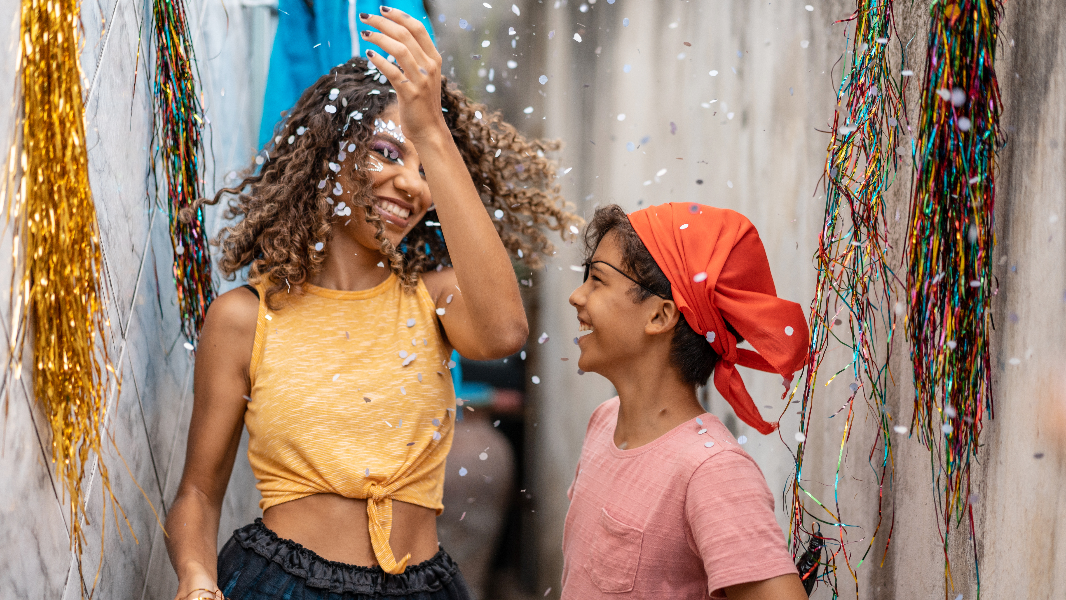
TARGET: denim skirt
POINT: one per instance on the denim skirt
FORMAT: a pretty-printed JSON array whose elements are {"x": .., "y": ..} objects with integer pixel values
[{"x": 255, "y": 564}]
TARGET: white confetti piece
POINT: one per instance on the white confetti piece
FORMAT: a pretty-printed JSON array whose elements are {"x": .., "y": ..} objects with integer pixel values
[
  {"x": 577, "y": 37},
  {"x": 543, "y": 338},
  {"x": 701, "y": 432},
  {"x": 543, "y": 79},
  {"x": 710, "y": 337},
  {"x": 462, "y": 471},
  {"x": 188, "y": 346},
  {"x": 319, "y": 246},
  {"x": 684, "y": 226},
  {"x": 698, "y": 277},
  {"x": 331, "y": 109},
  {"x": 440, "y": 312},
  {"x": 574, "y": 230},
  {"x": 535, "y": 379},
  {"x": 528, "y": 110},
  {"x": 800, "y": 437},
  {"x": 498, "y": 214},
  {"x": 699, "y": 421},
  {"x": 900, "y": 429},
  {"x": 336, "y": 377},
  {"x": 713, "y": 73},
  {"x": 742, "y": 440},
  {"x": 789, "y": 331},
  {"x": 514, "y": 9},
  {"x": 709, "y": 444},
  {"x": 483, "y": 456},
  {"x": 410, "y": 322},
  {"x": 809, "y": 8},
  {"x": 621, "y": 117}
]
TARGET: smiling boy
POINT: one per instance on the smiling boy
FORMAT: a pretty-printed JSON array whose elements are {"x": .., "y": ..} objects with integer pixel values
[{"x": 665, "y": 503}]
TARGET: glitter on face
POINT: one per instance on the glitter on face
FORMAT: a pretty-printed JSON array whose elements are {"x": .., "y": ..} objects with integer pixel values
[{"x": 389, "y": 128}]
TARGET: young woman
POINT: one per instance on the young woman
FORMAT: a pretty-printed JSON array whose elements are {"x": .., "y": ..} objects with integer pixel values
[
  {"x": 665, "y": 503},
  {"x": 335, "y": 358}
]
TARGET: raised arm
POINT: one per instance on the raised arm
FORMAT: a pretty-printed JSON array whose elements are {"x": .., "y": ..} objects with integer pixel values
[
  {"x": 219, "y": 389},
  {"x": 485, "y": 318}
]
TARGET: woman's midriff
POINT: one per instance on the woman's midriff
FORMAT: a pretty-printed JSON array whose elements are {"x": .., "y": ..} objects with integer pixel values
[{"x": 336, "y": 528}]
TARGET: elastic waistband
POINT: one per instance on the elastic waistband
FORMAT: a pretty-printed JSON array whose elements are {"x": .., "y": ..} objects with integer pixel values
[{"x": 317, "y": 572}]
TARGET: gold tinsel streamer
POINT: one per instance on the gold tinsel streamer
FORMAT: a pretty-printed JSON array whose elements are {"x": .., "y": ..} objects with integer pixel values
[{"x": 56, "y": 251}]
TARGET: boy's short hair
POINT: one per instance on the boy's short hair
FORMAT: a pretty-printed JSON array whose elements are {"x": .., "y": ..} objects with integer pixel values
[{"x": 690, "y": 353}]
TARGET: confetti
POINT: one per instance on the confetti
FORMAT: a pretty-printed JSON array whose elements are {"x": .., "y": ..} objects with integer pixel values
[
  {"x": 577, "y": 37},
  {"x": 800, "y": 437},
  {"x": 543, "y": 338},
  {"x": 535, "y": 379},
  {"x": 742, "y": 440},
  {"x": 462, "y": 471}
]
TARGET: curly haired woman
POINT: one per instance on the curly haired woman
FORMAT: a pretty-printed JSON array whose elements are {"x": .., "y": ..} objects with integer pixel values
[{"x": 335, "y": 358}]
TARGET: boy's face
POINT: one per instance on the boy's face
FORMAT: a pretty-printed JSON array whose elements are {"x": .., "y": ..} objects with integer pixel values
[{"x": 612, "y": 325}]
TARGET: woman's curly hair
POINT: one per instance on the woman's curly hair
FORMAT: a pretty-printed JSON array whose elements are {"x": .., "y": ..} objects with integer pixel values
[{"x": 286, "y": 205}]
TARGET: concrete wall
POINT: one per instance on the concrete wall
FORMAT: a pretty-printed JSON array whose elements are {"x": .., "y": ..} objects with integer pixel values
[
  {"x": 757, "y": 150},
  {"x": 148, "y": 419}
]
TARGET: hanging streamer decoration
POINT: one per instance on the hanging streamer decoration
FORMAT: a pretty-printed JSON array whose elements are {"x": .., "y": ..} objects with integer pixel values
[
  {"x": 951, "y": 239},
  {"x": 853, "y": 302},
  {"x": 179, "y": 143},
  {"x": 55, "y": 285}
]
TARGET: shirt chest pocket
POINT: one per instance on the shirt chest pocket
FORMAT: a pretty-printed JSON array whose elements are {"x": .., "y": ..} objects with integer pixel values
[{"x": 614, "y": 556}]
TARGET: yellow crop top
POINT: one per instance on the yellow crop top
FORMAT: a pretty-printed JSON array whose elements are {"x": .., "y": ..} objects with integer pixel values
[{"x": 351, "y": 395}]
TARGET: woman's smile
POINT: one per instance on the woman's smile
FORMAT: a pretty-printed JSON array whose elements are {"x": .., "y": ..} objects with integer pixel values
[{"x": 394, "y": 211}]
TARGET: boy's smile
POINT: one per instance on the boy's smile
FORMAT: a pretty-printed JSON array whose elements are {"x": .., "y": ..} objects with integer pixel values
[{"x": 610, "y": 323}]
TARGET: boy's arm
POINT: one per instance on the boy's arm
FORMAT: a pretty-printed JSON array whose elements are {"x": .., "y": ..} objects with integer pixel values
[
  {"x": 730, "y": 514},
  {"x": 783, "y": 587}
]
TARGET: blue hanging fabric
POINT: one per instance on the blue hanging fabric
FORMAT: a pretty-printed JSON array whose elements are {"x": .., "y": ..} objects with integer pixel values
[{"x": 310, "y": 42}]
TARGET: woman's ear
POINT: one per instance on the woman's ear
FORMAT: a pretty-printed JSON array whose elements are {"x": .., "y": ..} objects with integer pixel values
[{"x": 663, "y": 319}]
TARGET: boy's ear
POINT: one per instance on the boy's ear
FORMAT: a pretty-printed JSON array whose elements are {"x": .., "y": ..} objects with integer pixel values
[{"x": 663, "y": 319}]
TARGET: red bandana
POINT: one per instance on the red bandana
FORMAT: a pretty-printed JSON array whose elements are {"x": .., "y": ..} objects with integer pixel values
[{"x": 718, "y": 272}]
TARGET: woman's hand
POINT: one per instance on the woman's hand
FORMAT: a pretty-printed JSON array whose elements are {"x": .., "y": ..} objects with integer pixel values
[
  {"x": 198, "y": 585},
  {"x": 416, "y": 76}
]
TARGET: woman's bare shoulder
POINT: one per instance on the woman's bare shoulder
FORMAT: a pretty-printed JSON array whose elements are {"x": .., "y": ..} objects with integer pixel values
[
  {"x": 436, "y": 281},
  {"x": 233, "y": 314}
]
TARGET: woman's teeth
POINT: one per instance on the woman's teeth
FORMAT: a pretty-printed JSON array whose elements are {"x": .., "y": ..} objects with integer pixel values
[
  {"x": 393, "y": 209},
  {"x": 584, "y": 329}
]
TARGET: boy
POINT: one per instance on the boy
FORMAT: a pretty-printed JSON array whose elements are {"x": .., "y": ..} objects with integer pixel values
[{"x": 665, "y": 504}]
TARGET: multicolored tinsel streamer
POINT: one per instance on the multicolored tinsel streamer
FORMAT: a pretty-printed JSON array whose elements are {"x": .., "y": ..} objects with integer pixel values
[
  {"x": 55, "y": 285},
  {"x": 951, "y": 240},
  {"x": 853, "y": 289},
  {"x": 179, "y": 141}
]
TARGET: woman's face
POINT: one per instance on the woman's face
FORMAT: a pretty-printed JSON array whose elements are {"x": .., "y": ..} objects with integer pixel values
[
  {"x": 614, "y": 323},
  {"x": 401, "y": 195}
]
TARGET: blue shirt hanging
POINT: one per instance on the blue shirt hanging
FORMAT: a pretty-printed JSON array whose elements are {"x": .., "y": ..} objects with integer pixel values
[{"x": 309, "y": 42}]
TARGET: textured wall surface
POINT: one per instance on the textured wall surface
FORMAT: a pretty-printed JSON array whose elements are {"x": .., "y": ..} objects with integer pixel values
[{"x": 149, "y": 417}]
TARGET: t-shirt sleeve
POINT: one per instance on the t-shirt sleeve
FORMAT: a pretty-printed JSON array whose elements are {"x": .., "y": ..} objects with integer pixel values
[
  {"x": 730, "y": 514},
  {"x": 570, "y": 491}
]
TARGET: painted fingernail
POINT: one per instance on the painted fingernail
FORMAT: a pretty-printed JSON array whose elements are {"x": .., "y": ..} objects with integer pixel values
[
  {"x": 365, "y": 34},
  {"x": 364, "y": 16},
  {"x": 385, "y": 9},
  {"x": 370, "y": 53}
]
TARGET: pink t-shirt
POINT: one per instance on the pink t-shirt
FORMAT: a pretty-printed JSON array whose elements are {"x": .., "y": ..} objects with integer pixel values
[{"x": 681, "y": 517}]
